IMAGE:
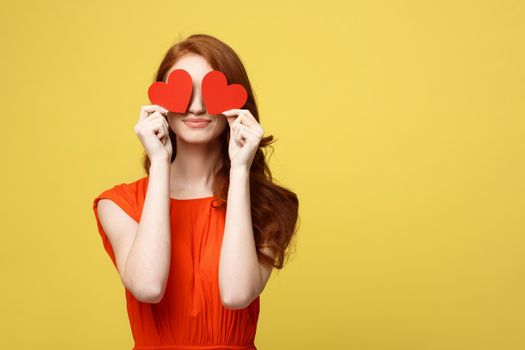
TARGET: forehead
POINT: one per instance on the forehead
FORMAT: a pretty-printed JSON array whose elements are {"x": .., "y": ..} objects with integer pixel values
[{"x": 194, "y": 64}]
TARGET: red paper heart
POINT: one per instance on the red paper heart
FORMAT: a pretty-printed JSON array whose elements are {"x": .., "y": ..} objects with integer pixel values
[
  {"x": 218, "y": 96},
  {"x": 173, "y": 95}
]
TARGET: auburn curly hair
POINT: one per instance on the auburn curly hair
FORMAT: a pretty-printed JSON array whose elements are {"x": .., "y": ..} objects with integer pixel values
[{"x": 274, "y": 208}]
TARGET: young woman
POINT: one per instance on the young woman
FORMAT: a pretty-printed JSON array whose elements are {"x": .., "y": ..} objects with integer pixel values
[{"x": 195, "y": 241}]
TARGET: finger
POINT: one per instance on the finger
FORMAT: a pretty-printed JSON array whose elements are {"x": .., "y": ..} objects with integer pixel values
[
  {"x": 155, "y": 116},
  {"x": 231, "y": 112},
  {"x": 243, "y": 136},
  {"x": 240, "y": 131},
  {"x": 163, "y": 137},
  {"x": 156, "y": 126},
  {"x": 239, "y": 122},
  {"x": 152, "y": 108},
  {"x": 165, "y": 127},
  {"x": 248, "y": 119},
  {"x": 249, "y": 133},
  {"x": 237, "y": 138},
  {"x": 248, "y": 129},
  {"x": 231, "y": 115},
  {"x": 146, "y": 110},
  {"x": 230, "y": 119},
  {"x": 234, "y": 111},
  {"x": 242, "y": 118},
  {"x": 235, "y": 123},
  {"x": 249, "y": 116},
  {"x": 161, "y": 130}
]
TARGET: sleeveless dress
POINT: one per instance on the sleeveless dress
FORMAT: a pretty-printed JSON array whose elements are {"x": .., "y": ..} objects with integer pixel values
[{"x": 191, "y": 314}]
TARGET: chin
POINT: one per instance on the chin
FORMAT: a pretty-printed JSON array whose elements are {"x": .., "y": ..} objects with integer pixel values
[{"x": 197, "y": 135}]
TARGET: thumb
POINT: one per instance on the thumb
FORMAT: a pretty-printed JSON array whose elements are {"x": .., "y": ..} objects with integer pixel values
[
  {"x": 230, "y": 119},
  {"x": 230, "y": 115}
]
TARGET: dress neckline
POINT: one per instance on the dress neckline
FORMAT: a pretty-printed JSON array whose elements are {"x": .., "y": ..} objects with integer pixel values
[
  {"x": 190, "y": 199},
  {"x": 146, "y": 178}
]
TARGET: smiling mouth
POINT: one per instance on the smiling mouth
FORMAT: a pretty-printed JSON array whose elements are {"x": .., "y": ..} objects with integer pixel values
[
  {"x": 196, "y": 120},
  {"x": 197, "y": 123}
]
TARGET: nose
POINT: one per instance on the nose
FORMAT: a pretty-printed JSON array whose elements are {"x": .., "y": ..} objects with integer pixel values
[{"x": 196, "y": 105}]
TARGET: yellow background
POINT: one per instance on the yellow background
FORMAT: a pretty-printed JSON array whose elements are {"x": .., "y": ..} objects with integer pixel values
[{"x": 399, "y": 125}]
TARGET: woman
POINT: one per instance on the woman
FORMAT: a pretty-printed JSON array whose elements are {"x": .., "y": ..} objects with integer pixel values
[{"x": 195, "y": 241}]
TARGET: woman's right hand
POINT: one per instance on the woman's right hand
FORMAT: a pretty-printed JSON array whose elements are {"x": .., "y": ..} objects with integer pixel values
[{"x": 152, "y": 130}]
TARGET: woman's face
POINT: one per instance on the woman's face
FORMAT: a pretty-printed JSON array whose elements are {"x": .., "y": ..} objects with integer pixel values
[{"x": 197, "y": 67}]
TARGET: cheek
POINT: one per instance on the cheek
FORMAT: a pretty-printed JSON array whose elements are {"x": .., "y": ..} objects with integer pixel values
[
  {"x": 222, "y": 124},
  {"x": 174, "y": 123}
]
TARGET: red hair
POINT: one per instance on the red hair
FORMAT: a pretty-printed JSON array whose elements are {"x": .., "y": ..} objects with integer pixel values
[{"x": 274, "y": 208}]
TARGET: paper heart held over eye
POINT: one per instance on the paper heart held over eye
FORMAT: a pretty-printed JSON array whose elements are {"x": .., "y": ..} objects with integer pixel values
[
  {"x": 173, "y": 95},
  {"x": 217, "y": 95}
]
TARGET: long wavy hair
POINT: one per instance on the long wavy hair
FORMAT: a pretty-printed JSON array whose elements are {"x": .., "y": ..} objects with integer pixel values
[{"x": 274, "y": 208}]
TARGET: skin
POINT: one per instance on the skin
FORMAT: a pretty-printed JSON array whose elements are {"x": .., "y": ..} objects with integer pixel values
[{"x": 143, "y": 259}]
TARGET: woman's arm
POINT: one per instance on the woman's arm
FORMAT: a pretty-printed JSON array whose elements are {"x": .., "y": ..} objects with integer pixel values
[
  {"x": 143, "y": 250},
  {"x": 148, "y": 263},
  {"x": 241, "y": 277}
]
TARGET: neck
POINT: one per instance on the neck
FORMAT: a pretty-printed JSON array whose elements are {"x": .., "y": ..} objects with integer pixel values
[{"x": 193, "y": 170}]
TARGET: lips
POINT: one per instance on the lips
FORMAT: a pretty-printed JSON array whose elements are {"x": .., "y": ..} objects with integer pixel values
[{"x": 196, "y": 120}]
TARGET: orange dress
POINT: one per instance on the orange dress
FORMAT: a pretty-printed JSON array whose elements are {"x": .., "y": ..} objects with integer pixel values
[{"x": 191, "y": 314}]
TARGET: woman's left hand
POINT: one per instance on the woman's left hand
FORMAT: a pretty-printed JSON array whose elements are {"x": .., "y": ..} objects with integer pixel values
[{"x": 245, "y": 136}]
